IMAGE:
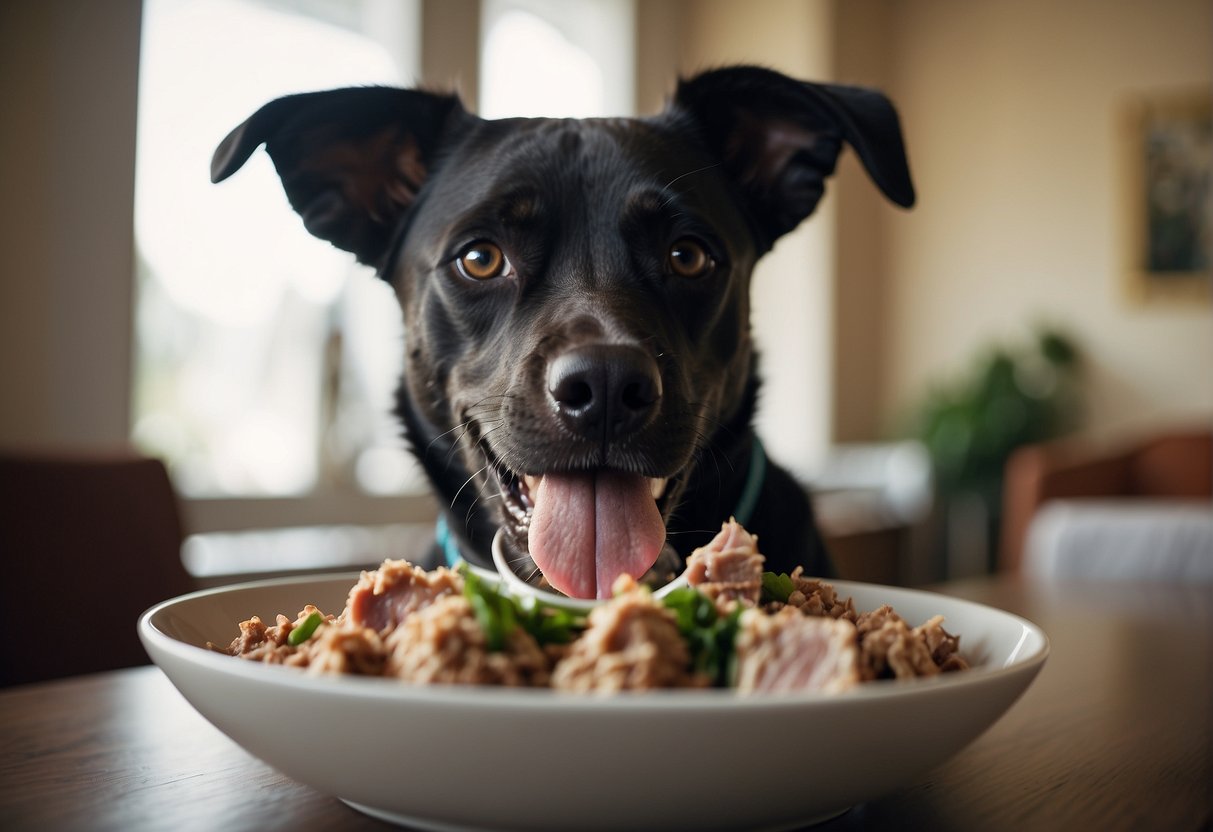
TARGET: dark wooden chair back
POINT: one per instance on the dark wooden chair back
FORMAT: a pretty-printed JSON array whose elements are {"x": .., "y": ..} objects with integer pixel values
[{"x": 86, "y": 544}]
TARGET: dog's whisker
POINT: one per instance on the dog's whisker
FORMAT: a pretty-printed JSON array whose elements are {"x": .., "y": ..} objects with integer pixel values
[
  {"x": 466, "y": 426},
  {"x": 523, "y": 560},
  {"x": 481, "y": 442},
  {"x": 684, "y": 176},
  {"x": 466, "y": 482},
  {"x": 535, "y": 573},
  {"x": 439, "y": 437},
  {"x": 483, "y": 408},
  {"x": 467, "y": 429}
]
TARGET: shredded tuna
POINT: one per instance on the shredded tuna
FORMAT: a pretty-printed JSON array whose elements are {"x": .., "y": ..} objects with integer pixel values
[
  {"x": 632, "y": 643},
  {"x": 944, "y": 647},
  {"x": 445, "y": 644},
  {"x": 889, "y": 647},
  {"x": 815, "y": 597},
  {"x": 260, "y": 643},
  {"x": 345, "y": 649}
]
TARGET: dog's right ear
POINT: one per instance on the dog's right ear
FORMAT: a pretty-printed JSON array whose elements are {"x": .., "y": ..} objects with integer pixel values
[{"x": 351, "y": 160}]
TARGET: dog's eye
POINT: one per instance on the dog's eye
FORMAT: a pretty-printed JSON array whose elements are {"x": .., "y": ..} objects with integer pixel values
[
  {"x": 690, "y": 259},
  {"x": 482, "y": 261}
]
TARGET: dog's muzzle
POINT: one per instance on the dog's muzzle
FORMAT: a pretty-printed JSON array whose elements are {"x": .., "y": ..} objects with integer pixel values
[
  {"x": 588, "y": 527},
  {"x": 590, "y": 511}
]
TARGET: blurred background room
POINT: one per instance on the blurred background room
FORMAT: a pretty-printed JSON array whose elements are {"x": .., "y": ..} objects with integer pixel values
[{"x": 1052, "y": 285}]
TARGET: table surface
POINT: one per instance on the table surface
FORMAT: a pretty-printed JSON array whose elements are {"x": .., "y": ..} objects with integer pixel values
[{"x": 1115, "y": 733}]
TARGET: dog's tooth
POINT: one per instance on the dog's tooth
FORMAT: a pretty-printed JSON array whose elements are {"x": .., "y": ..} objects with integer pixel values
[
  {"x": 657, "y": 487},
  {"x": 531, "y": 482}
]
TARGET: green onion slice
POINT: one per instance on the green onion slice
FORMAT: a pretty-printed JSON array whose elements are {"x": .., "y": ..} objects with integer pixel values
[{"x": 304, "y": 631}]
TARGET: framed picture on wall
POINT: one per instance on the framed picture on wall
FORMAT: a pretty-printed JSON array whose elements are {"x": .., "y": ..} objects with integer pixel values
[{"x": 1168, "y": 148}]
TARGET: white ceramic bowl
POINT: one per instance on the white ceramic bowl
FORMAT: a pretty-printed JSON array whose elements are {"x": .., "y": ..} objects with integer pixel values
[{"x": 486, "y": 758}]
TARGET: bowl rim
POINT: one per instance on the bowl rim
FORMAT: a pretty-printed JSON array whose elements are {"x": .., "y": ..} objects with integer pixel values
[{"x": 157, "y": 641}]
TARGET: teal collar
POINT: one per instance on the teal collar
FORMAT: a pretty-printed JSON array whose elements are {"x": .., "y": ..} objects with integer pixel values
[
  {"x": 742, "y": 513},
  {"x": 446, "y": 542},
  {"x": 754, "y": 478}
]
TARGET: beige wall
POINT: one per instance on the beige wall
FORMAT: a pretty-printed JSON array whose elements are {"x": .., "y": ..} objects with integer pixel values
[
  {"x": 864, "y": 55},
  {"x": 68, "y": 77},
  {"x": 1011, "y": 114}
]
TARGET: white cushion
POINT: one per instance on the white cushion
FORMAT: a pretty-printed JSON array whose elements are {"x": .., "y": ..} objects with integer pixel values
[{"x": 1122, "y": 539}]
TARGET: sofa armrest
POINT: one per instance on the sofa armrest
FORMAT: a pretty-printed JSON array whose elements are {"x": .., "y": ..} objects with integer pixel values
[{"x": 1176, "y": 465}]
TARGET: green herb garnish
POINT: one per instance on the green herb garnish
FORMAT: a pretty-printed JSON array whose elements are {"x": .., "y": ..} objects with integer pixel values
[
  {"x": 304, "y": 631},
  {"x": 710, "y": 637},
  {"x": 494, "y": 611},
  {"x": 776, "y": 587},
  {"x": 500, "y": 614},
  {"x": 552, "y": 625}
]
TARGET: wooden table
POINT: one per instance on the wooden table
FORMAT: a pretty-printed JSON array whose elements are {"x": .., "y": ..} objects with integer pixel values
[{"x": 1114, "y": 734}]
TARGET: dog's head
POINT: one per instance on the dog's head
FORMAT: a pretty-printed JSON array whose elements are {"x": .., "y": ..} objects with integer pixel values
[{"x": 575, "y": 292}]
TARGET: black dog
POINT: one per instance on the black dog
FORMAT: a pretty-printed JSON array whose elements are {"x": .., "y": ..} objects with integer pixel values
[{"x": 579, "y": 367}]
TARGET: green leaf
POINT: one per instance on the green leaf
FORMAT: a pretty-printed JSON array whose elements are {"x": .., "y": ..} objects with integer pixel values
[
  {"x": 490, "y": 623},
  {"x": 500, "y": 615},
  {"x": 709, "y": 637},
  {"x": 776, "y": 587},
  {"x": 1057, "y": 349},
  {"x": 552, "y": 625}
]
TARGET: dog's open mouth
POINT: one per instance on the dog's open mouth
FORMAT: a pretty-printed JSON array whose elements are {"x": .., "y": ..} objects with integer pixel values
[{"x": 584, "y": 529}]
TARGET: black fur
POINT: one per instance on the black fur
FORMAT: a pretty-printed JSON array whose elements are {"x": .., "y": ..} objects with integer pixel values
[{"x": 586, "y": 213}]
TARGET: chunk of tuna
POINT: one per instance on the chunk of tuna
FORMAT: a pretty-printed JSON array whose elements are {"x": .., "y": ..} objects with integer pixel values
[{"x": 789, "y": 652}]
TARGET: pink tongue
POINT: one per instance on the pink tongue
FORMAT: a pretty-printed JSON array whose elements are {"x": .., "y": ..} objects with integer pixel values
[{"x": 588, "y": 529}]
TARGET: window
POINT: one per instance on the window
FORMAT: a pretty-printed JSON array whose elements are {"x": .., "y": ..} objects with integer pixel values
[
  {"x": 266, "y": 360},
  {"x": 557, "y": 58}
]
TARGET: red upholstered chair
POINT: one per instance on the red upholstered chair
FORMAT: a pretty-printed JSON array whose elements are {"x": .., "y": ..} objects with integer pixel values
[
  {"x": 86, "y": 544},
  {"x": 1177, "y": 464}
]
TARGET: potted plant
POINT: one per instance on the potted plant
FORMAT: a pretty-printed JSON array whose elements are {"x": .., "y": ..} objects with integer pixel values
[{"x": 1010, "y": 397}]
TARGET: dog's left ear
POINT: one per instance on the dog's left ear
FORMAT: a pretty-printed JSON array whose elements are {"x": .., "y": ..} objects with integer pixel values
[
  {"x": 351, "y": 160},
  {"x": 779, "y": 139}
]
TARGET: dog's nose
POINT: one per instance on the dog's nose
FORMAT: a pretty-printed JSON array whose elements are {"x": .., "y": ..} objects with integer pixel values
[{"x": 604, "y": 390}]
